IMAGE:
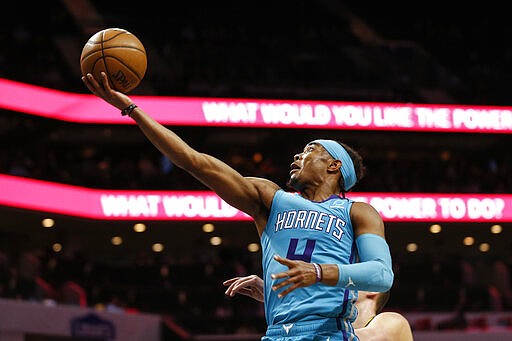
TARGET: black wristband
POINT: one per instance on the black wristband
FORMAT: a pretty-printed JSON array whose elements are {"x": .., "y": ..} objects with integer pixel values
[{"x": 128, "y": 110}]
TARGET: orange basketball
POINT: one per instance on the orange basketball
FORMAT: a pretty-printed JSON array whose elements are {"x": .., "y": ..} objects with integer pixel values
[{"x": 118, "y": 53}]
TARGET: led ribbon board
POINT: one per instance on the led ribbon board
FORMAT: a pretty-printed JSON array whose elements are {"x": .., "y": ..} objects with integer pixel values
[
  {"x": 99, "y": 204},
  {"x": 86, "y": 108}
]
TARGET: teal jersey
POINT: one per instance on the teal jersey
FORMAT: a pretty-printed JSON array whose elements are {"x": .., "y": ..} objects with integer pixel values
[{"x": 315, "y": 232}]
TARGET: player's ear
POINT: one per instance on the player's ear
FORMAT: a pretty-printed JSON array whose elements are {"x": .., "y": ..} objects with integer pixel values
[{"x": 334, "y": 165}]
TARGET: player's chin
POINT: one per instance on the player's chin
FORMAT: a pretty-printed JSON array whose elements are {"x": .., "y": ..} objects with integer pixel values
[{"x": 293, "y": 174}]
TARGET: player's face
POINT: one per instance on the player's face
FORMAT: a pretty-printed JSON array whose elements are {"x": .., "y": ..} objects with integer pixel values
[{"x": 309, "y": 167}]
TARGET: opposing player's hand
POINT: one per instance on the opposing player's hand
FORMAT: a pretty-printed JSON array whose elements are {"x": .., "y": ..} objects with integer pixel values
[
  {"x": 251, "y": 286},
  {"x": 299, "y": 274},
  {"x": 101, "y": 88}
]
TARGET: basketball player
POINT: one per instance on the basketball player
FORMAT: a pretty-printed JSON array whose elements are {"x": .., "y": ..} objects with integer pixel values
[
  {"x": 371, "y": 323},
  {"x": 339, "y": 244}
]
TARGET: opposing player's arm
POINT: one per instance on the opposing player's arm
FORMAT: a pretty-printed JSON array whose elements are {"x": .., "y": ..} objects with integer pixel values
[{"x": 251, "y": 286}]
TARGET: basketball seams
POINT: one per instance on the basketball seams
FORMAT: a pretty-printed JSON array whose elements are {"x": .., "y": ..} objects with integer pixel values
[
  {"x": 124, "y": 47},
  {"x": 101, "y": 49},
  {"x": 124, "y": 65},
  {"x": 91, "y": 52},
  {"x": 114, "y": 36},
  {"x": 93, "y": 67},
  {"x": 120, "y": 61},
  {"x": 105, "y": 64}
]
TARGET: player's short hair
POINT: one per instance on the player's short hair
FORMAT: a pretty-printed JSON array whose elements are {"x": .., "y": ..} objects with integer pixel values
[{"x": 357, "y": 159}]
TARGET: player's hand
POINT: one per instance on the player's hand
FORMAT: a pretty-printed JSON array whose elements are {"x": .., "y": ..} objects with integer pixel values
[
  {"x": 101, "y": 88},
  {"x": 251, "y": 286},
  {"x": 299, "y": 274}
]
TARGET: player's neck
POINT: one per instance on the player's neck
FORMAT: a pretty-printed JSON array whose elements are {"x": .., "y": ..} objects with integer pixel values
[{"x": 318, "y": 194}]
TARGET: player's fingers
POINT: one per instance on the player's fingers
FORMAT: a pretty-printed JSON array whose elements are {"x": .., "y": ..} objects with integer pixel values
[
  {"x": 288, "y": 273},
  {"x": 94, "y": 86},
  {"x": 280, "y": 275},
  {"x": 284, "y": 261},
  {"x": 294, "y": 278},
  {"x": 92, "y": 81},
  {"x": 253, "y": 278},
  {"x": 282, "y": 284},
  {"x": 237, "y": 289},
  {"x": 246, "y": 292},
  {"x": 229, "y": 281},
  {"x": 88, "y": 84},
  {"x": 104, "y": 82},
  {"x": 237, "y": 285},
  {"x": 288, "y": 290},
  {"x": 231, "y": 290},
  {"x": 242, "y": 283}
]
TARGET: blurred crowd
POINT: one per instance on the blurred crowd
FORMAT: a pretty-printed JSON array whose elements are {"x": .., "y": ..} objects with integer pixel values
[
  {"x": 327, "y": 49},
  {"x": 392, "y": 167},
  {"x": 191, "y": 292}
]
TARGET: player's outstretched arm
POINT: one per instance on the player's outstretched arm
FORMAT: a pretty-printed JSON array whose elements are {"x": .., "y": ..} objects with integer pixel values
[{"x": 231, "y": 186}]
